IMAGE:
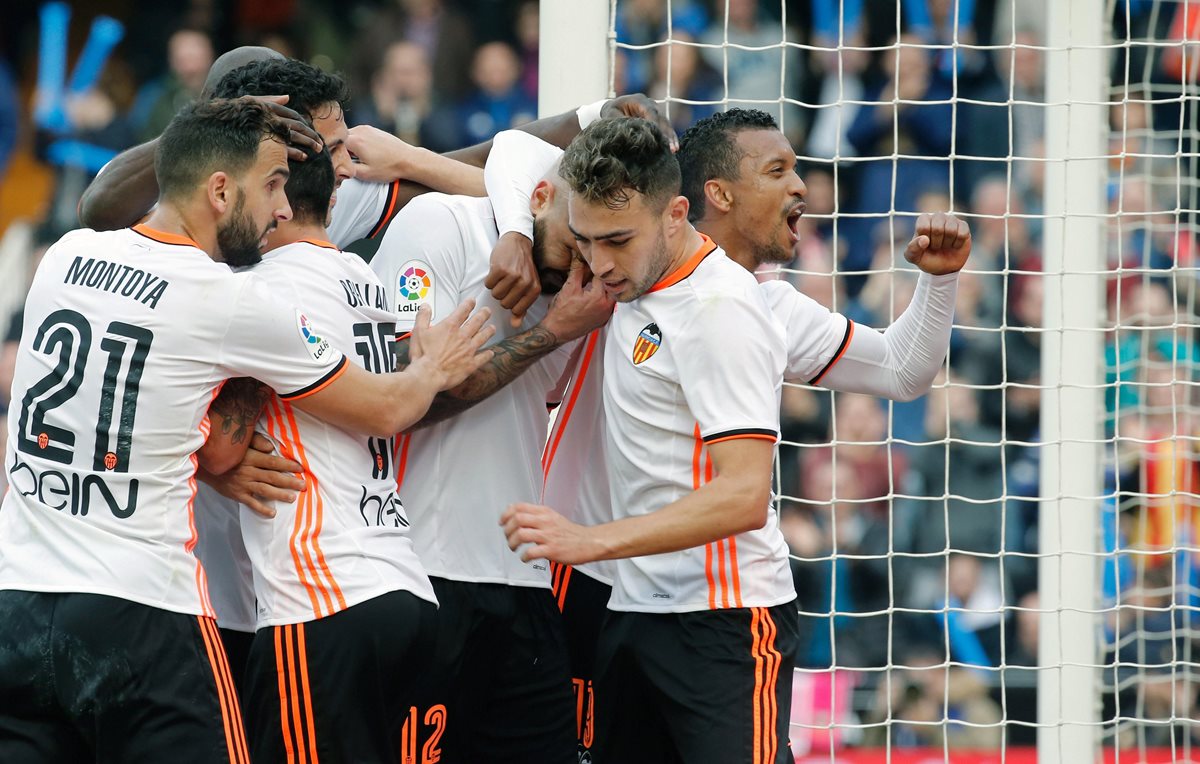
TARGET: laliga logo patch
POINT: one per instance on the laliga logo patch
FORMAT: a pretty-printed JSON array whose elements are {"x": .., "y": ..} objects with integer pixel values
[
  {"x": 646, "y": 344},
  {"x": 316, "y": 345},
  {"x": 414, "y": 287}
]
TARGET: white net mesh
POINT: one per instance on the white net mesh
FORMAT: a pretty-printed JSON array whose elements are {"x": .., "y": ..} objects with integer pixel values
[{"x": 914, "y": 526}]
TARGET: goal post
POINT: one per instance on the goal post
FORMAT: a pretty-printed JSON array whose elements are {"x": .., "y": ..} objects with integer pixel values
[
  {"x": 573, "y": 53},
  {"x": 1072, "y": 414}
]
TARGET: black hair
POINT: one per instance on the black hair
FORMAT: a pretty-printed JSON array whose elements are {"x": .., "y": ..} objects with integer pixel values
[
  {"x": 709, "y": 150},
  {"x": 310, "y": 186},
  {"x": 306, "y": 86},
  {"x": 619, "y": 155},
  {"x": 212, "y": 136}
]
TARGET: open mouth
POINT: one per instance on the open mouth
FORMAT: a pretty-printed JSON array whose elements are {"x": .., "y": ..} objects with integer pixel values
[{"x": 793, "y": 221}]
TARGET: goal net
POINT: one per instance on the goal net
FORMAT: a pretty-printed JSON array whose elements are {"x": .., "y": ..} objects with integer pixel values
[{"x": 1007, "y": 569}]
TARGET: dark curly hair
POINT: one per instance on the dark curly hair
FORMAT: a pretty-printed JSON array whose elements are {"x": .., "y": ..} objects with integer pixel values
[
  {"x": 310, "y": 187},
  {"x": 212, "y": 136},
  {"x": 306, "y": 87},
  {"x": 709, "y": 150},
  {"x": 613, "y": 158}
]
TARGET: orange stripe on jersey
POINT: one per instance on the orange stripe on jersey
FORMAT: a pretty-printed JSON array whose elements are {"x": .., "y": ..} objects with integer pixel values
[
  {"x": 733, "y": 564},
  {"x": 758, "y": 709},
  {"x": 389, "y": 209},
  {"x": 318, "y": 243},
  {"x": 708, "y": 574},
  {"x": 231, "y": 718},
  {"x": 837, "y": 356},
  {"x": 759, "y": 436},
  {"x": 402, "y": 463},
  {"x": 321, "y": 384},
  {"x": 189, "y": 546},
  {"x": 162, "y": 237},
  {"x": 281, "y": 671},
  {"x": 560, "y": 426},
  {"x": 707, "y": 247},
  {"x": 277, "y": 430},
  {"x": 721, "y": 573},
  {"x": 315, "y": 491},
  {"x": 306, "y": 693}
]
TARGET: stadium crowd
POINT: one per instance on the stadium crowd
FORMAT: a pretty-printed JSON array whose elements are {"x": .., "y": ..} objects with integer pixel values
[{"x": 869, "y": 505}]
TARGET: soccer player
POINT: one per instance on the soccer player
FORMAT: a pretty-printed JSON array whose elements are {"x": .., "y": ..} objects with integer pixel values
[
  {"x": 108, "y": 649},
  {"x": 499, "y": 645},
  {"x": 758, "y": 199}
]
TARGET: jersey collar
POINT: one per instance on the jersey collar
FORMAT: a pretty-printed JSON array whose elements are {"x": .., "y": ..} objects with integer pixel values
[
  {"x": 163, "y": 237},
  {"x": 318, "y": 243},
  {"x": 707, "y": 247}
]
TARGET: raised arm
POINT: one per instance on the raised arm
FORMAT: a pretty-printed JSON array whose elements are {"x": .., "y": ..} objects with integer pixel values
[{"x": 901, "y": 363}]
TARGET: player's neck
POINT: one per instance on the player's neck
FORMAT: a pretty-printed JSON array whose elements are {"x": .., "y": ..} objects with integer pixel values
[
  {"x": 176, "y": 220},
  {"x": 727, "y": 240},
  {"x": 688, "y": 243}
]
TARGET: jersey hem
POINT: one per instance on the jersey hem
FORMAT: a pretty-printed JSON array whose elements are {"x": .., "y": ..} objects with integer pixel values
[
  {"x": 198, "y": 609},
  {"x": 744, "y": 432},
  {"x": 837, "y": 356},
  {"x": 622, "y": 607},
  {"x": 489, "y": 580},
  {"x": 288, "y": 620}
]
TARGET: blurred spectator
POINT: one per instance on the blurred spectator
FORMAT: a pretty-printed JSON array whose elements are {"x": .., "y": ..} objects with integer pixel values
[
  {"x": 528, "y": 31},
  {"x": 898, "y": 123},
  {"x": 445, "y": 35},
  {"x": 950, "y": 23},
  {"x": 10, "y": 116},
  {"x": 1023, "y": 651},
  {"x": 401, "y": 94},
  {"x": 644, "y": 23},
  {"x": 944, "y": 706},
  {"x": 189, "y": 56},
  {"x": 497, "y": 103},
  {"x": 680, "y": 72},
  {"x": 1013, "y": 359},
  {"x": 762, "y": 68}
]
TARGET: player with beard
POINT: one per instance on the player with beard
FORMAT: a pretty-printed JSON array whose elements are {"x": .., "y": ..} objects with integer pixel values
[
  {"x": 108, "y": 649},
  {"x": 499, "y": 648}
]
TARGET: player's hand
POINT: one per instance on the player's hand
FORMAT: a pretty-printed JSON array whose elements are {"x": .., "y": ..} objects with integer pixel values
[
  {"x": 382, "y": 157},
  {"x": 451, "y": 350},
  {"x": 550, "y": 535},
  {"x": 638, "y": 105},
  {"x": 940, "y": 244},
  {"x": 261, "y": 478},
  {"x": 513, "y": 279},
  {"x": 302, "y": 138},
  {"x": 580, "y": 306}
]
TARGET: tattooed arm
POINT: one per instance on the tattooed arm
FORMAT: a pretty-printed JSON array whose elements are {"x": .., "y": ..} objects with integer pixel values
[
  {"x": 576, "y": 310},
  {"x": 232, "y": 416}
]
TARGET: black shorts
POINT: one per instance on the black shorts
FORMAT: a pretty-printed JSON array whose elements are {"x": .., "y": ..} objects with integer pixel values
[
  {"x": 237, "y": 650},
  {"x": 86, "y": 677},
  {"x": 710, "y": 686},
  {"x": 340, "y": 689},
  {"x": 584, "y": 604},
  {"x": 507, "y": 687}
]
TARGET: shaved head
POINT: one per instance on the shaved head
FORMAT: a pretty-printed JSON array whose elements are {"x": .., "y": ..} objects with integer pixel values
[{"x": 227, "y": 62}]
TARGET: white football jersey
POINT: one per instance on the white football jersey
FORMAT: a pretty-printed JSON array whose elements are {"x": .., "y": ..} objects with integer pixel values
[
  {"x": 695, "y": 361},
  {"x": 574, "y": 464},
  {"x": 815, "y": 337},
  {"x": 457, "y": 477},
  {"x": 346, "y": 539},
  {"x": 127, "y": 338},
  {"x": 362, "y": 210},
  {"x": 220, "y": 548}
]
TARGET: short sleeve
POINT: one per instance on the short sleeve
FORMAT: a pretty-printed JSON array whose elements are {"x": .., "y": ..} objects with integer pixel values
[
  {"x": 362, "y": 210},
  {"x": 278, "y": 344},
  {"x": 421, "y": 260},
  {"x": 814, "y": 336},
  {"x": 730, "y": 359}
]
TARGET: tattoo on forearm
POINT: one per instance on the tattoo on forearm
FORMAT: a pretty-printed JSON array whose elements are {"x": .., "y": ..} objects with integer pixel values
[
  {"x": 238, "y": 407},
  {"x": 510, "y": 359}
]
